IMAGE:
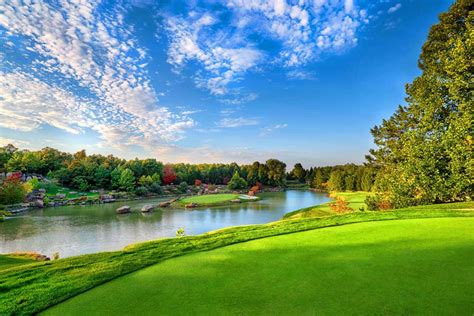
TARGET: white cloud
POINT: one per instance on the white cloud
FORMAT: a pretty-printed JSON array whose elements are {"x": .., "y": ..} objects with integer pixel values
[
  {"x": 237, "y": 122},
  {"x": 226, "y": 51},
  {"x": 270, "y": 129},
  {"x": 298, "y": 74},
  {"x": 395, "y": 8},
  {"x": 223, "y": 65},
  {"x": 95, "y": 50}
]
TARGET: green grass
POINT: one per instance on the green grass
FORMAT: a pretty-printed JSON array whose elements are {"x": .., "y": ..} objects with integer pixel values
[
  {"x": 354, "y": 199},
  {"x": 10, "y": 261},
  {"x": 211, "y": 199},
  {"x": 53, "y": 189},
  {"x": 35, "y": 287},
  {"x": 421, "y": 266}
]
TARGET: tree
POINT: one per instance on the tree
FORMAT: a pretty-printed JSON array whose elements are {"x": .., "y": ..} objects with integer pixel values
[
  {"x": 169, "y": 175},
  {"x": 145, "y": 181},
  {"x": 336, "y": 181},
  {"x": 12, "y": 191},
  {"x": 276, "y": 172},
  {"x": 127, "y": 180},
  {"x": 115, "y": 177},
  {"x": 298, "y": 172},
  {"x": 237, "y": 182},
  {"x": 425, "y": 149}
]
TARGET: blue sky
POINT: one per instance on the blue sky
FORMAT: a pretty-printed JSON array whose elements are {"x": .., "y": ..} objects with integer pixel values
[{"x": 207, "y": 81}]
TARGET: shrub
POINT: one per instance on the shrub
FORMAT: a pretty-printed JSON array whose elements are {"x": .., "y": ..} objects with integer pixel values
[
  {"x": 237, "y": 182},
  {"x": 197, "y": 182},
  {"x": 12, "y": 191},
  {"x": 377, "y": 203},
  {"x": 156, "y": 188},
  {"x": 141, "y": 191},
  {"x": 180, "y": 232},
  {"x": 340, "y": 205},
  {"x": 183, "y": 187}
]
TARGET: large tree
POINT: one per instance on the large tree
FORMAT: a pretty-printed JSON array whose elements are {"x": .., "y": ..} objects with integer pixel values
[{"x": 425, "y": 149}]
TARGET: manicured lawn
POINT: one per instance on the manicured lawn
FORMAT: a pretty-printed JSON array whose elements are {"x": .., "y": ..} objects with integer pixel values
[
  {"x": 354, "y": 199},
  {"x": 53, "y": 189},
  {"x": 405, "y": 267},
  {"x": 9, "y": 261},
  {"x": 29, "y": 289},
  {"x": 210, "y": 199}
]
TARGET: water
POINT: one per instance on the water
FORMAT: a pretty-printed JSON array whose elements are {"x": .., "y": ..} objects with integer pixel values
[{"x": 75, "y": 230}]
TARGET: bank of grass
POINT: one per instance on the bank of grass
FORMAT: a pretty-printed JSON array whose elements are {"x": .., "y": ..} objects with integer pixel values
[
  {"x": 355, "y": 201},
  {"x": 10, "y": 261},
  {"x": 212, "y": 199},
  {"x": 53, "y": 189},
  {"x": 420, "y": 266},
  {"x": 35, "y": 287}
]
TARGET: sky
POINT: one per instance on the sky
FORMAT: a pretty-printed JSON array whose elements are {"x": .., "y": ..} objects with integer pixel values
[{"x": 207, "y": 81}]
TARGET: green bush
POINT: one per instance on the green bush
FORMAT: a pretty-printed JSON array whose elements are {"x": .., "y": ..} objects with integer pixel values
[
  {"x": 141, "y": 191},
  {"x": 237, "y": 182},
  {"x": 183, "y": 187}
]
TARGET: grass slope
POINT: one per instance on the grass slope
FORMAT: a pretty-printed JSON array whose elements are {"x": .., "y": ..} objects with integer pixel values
[
  {"x": 354, "y": 199},
  {"x": 35, "y": 287},
  {"x": 419, "y": 266},
  {"x": 9, "y": 261}
]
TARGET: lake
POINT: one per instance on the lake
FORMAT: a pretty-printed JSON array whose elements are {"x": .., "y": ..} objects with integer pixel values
[{"x": 75, "y": 230}]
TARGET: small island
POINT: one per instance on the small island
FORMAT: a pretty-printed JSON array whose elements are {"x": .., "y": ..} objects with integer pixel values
[{"x": 215, "y": 200}]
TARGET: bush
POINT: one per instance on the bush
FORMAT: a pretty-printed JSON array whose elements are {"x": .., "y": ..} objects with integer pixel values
[
  {"x": 183, "y": 187},
  {"x": 155, "y": 188},
  {"x": 377, "y": 203},
  {"x": 180, "y": 232},
  {"x": 141, "y": 191},
  {"x": 237, "y": 182},
  {"x": 12, "y": 191},
  {"x": 197, "y": 183},
  {"x": 341, "y": 205}
]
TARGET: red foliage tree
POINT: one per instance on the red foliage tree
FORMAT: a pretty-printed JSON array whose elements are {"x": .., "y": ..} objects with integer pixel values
[
  {"x": 197, "y": 182},
  {"x": 168, "y": 175}
]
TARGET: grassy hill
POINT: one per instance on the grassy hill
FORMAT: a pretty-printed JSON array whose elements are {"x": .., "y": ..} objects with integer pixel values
[
  {"x": 421, "y": 266},
  {"x": 37, "y": 286}
]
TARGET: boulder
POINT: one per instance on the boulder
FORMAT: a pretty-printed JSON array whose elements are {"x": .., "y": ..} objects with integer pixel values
[
  {"x": 61, "y": 195},
  {"x": 39, "y": 203},
  {"x": 191, "y": 205},
  {"x": 147, "y": 208},
  {"x": 164, "y": 204},
  {"x": 124, "y": 209},
  {"x": 235, "y": 201}
]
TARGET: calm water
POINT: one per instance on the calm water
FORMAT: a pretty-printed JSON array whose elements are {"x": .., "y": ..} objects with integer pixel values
[{"x": 74, "y": 230}]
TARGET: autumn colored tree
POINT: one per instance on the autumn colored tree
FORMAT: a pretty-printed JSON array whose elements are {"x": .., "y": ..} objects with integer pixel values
[{"x": 169, "y": 175}]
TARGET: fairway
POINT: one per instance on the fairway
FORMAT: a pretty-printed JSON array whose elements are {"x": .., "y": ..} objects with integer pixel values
[{"x": 421, "y": 266}]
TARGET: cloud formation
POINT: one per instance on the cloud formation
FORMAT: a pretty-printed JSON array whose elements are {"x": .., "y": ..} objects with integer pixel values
[
  {"x": 228, "y": 50},
  {"x": 237, "y": 122},
  {"x": 73, "y": 41},
  {"x": 395, "y": 8}
]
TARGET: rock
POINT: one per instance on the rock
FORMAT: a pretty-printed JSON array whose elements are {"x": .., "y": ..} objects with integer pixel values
[
  {"x": 164, "y": 204},
  {"x": 235, "y": 201},
  {"x": 191, "y": 205},
  {"x": 42, "y": 190},
  {"x": 123, "y": 210},
  {"x": 61, "y": 195},
  {"x": 147, "y": 208},
  {"x": 39, "y": 203},
  {"x": 251, "y": 193},
  {"x": 73, "y": 192}
]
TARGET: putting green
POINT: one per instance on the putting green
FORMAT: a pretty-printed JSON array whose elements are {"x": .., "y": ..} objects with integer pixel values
[{"x": 422, "y": 266}]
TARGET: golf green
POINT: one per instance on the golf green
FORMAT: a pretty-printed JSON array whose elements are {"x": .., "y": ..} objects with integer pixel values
[{"x": 420, "y": 266}]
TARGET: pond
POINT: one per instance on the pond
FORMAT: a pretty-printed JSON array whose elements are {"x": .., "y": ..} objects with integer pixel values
[{"x": 75, "y": 230}]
